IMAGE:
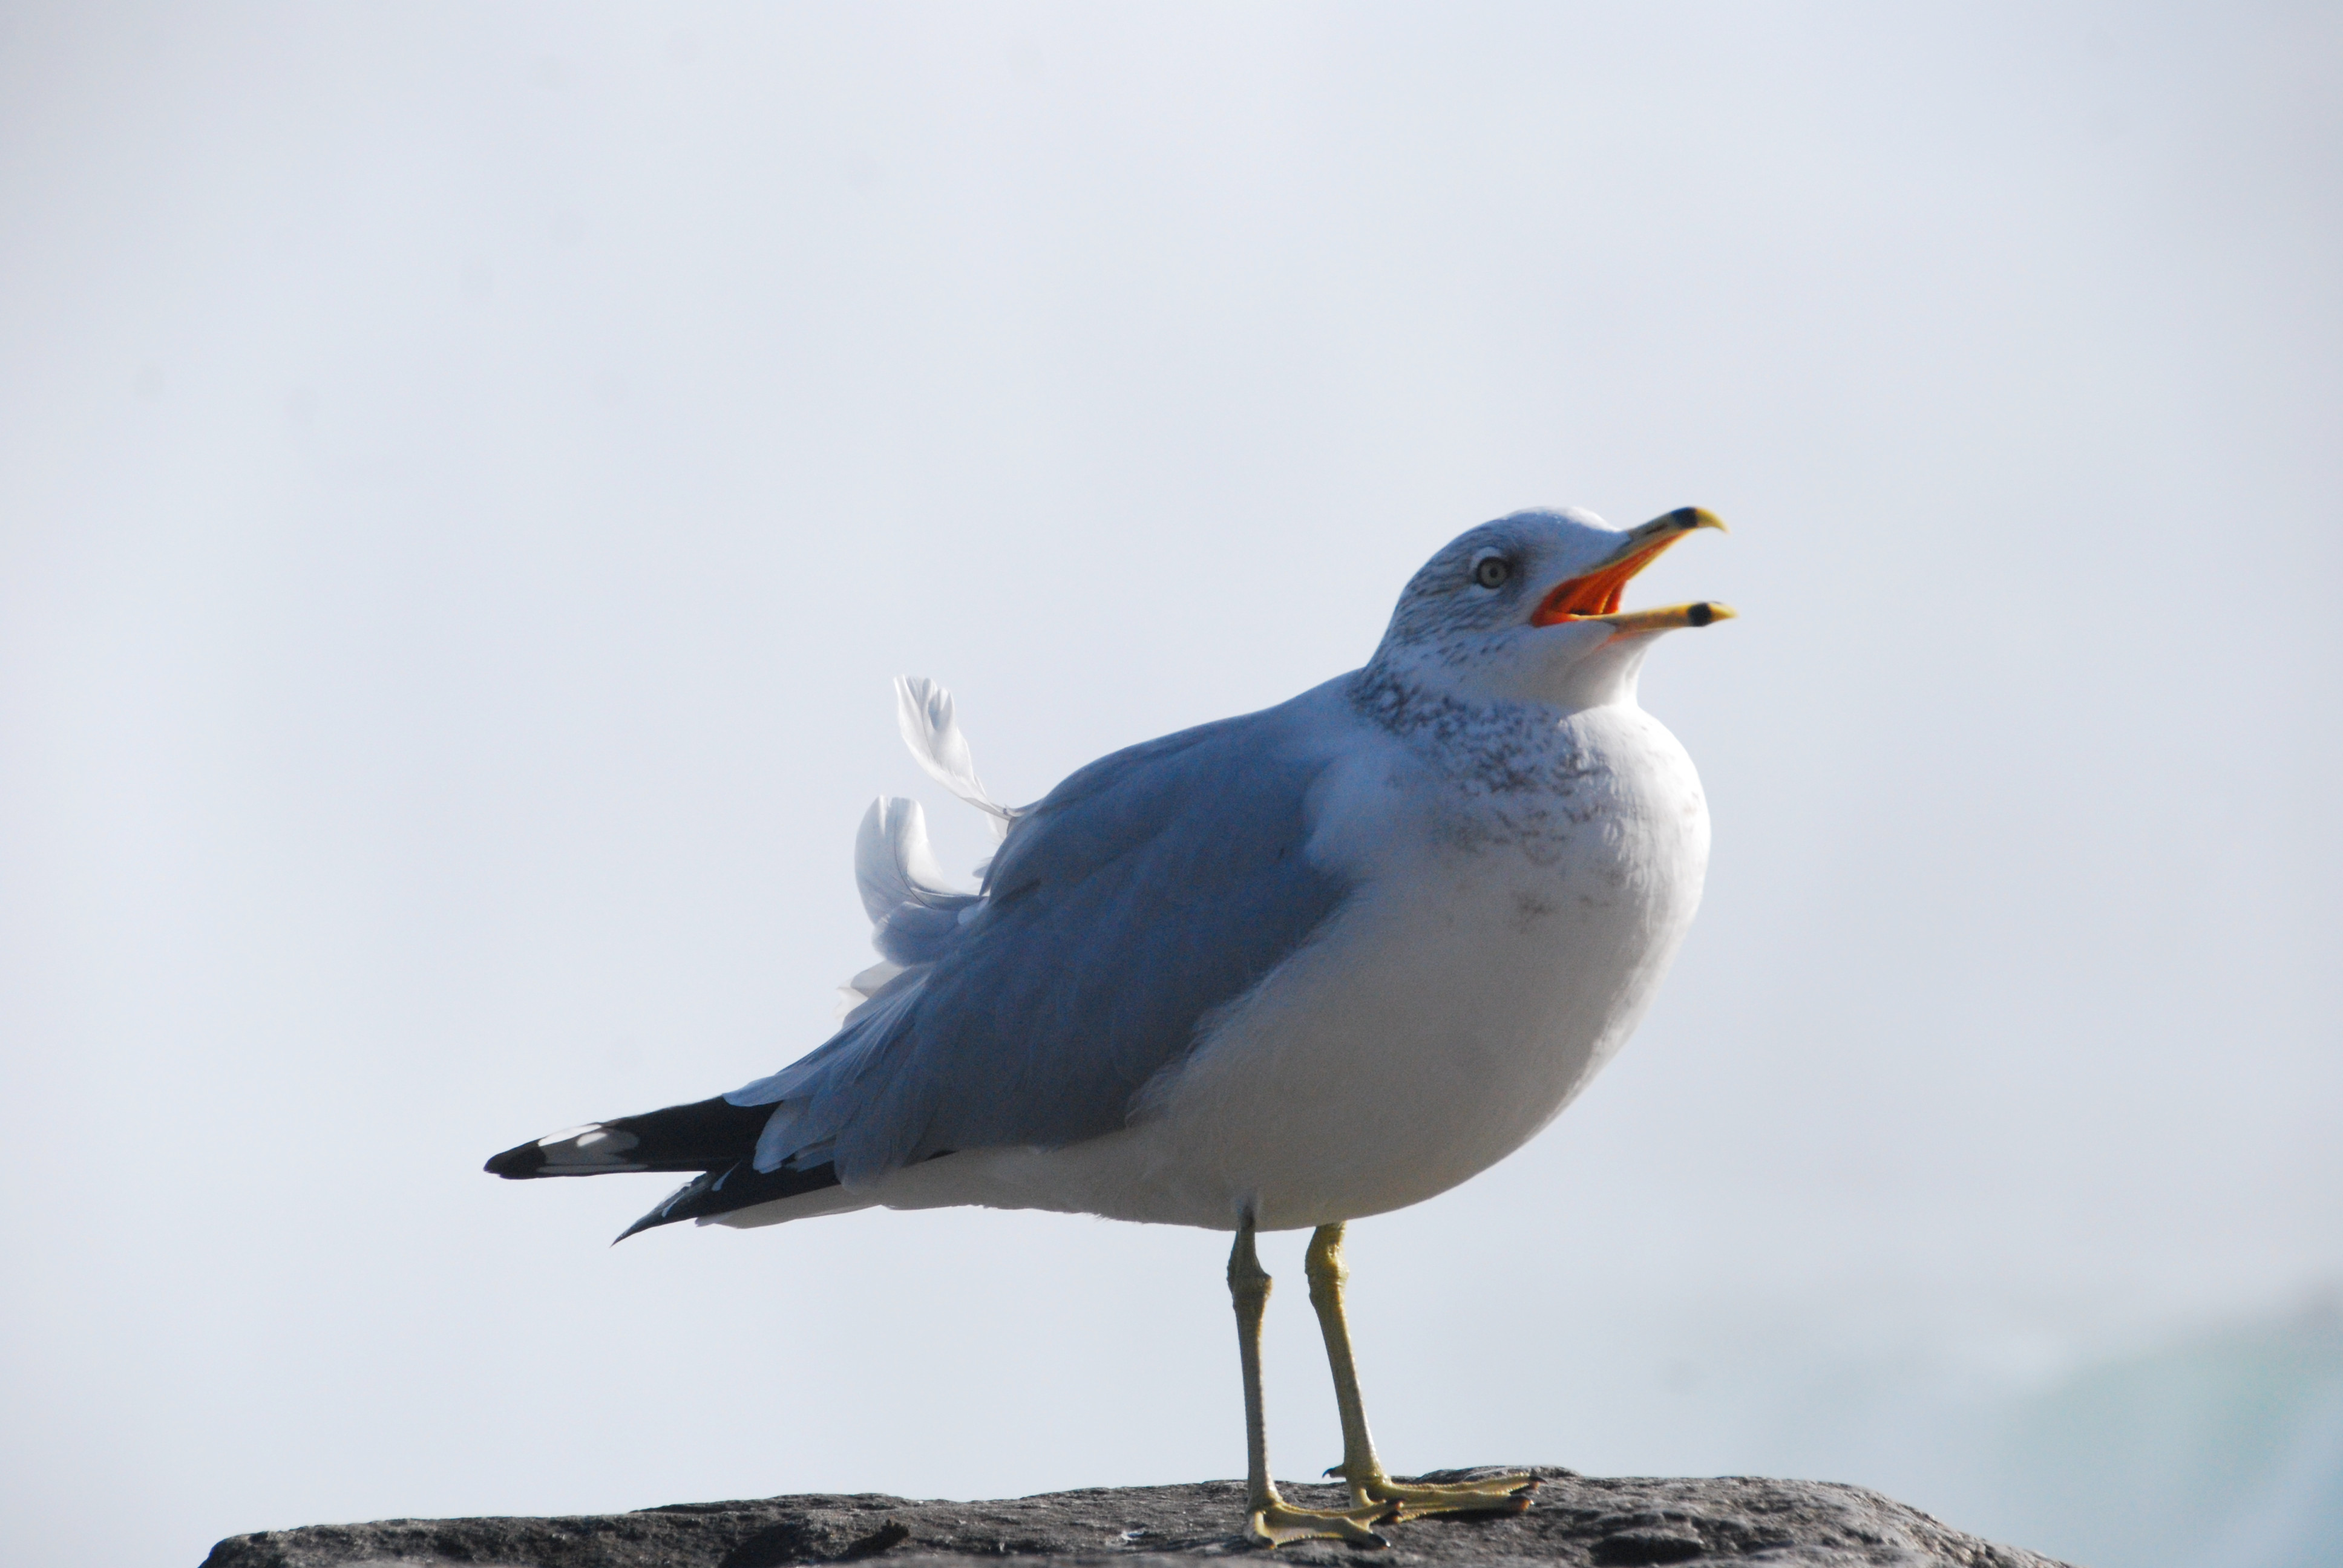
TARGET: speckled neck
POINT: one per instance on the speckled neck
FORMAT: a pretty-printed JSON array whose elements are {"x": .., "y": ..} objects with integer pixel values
[{"x": 1486, "y": 747}]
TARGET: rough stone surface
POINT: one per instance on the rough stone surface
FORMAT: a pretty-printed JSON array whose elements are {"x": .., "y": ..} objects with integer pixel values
[{"x": 1577, "y": 1520}]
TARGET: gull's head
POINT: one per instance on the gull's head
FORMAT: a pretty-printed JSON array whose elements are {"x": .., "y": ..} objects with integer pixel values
[{"x": 1526, "y": 608}]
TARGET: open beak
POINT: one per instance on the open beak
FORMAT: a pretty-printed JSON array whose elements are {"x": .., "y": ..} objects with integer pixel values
[{"x": 1595, "y": 595}]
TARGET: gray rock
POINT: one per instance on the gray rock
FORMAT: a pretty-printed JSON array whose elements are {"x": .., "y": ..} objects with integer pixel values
[{"x": 1581, "y": 1521}]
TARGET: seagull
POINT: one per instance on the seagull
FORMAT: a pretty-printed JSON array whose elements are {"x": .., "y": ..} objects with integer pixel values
[{"x": 1278, "y": 971}]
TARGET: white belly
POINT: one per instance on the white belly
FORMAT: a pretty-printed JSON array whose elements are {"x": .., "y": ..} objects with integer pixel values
[{"x": 1500, "y": 950}]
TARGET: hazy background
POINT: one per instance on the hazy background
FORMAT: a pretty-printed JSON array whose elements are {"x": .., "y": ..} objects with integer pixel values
[{"x": 469, "y": 473}]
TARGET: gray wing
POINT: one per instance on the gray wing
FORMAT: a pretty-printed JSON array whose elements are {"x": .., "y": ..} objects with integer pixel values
[{"x": 1147, "y": 889}]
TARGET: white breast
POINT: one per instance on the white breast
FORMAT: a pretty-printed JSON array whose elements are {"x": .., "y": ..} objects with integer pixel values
[{"x": 1515, "y": 914}]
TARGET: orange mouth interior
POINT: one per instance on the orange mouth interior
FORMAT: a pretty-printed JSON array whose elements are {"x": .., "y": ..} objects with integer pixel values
[{"x": 1596, "y": 593}]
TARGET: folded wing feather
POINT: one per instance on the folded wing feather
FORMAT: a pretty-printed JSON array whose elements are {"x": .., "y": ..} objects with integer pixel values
[{"x": 1146, "y": 890}]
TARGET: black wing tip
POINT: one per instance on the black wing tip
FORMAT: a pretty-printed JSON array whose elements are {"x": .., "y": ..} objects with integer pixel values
[
  {"x": 517, "y": 1164},
  {"x": 676, "y": 1205},
  {"x": 738, "y": 1186}
]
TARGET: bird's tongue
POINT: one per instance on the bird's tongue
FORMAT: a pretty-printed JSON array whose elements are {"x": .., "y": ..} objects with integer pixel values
[{"x": 1596, "y": 593}]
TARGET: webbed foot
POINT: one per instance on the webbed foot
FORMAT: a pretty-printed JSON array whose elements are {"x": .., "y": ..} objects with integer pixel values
[
  {"x": 1278, "y": 1522},
  {"x": 1503, "y": 1493}
]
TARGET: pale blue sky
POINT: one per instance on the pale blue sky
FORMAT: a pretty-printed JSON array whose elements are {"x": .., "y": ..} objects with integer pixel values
[{"x": 467, "y": 474}]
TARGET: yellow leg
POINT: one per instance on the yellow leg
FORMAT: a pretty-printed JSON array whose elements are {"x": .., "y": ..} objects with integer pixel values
[
  {"x": 1369, "y": 1483},
  {"x": 1272, "y": 1518}
]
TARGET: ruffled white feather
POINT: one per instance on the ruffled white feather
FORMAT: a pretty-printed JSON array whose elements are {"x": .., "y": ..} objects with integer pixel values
[
  {"x": 893, "y": 865},
  {"x": 895, "y": 868},
  {"x": 924, "y": 711}
]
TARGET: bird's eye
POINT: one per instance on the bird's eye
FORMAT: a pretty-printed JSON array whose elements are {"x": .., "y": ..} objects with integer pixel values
[{"x": 1492, "y": 572}]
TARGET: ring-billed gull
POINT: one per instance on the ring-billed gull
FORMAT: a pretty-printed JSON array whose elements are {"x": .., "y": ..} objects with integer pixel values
[{"x": 1281, "y": 970}]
